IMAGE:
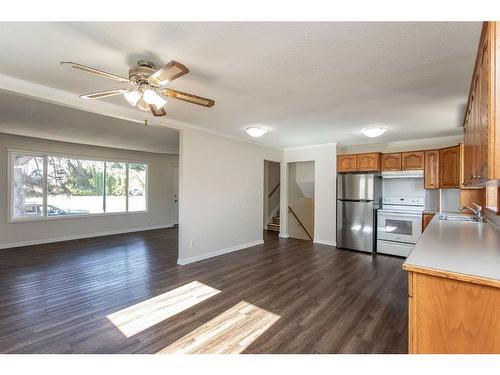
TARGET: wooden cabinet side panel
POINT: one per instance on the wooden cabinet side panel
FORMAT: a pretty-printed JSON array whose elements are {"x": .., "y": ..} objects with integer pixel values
[
  {"x": 450, "y": 316},
  {"x": 449, "y": 167}
]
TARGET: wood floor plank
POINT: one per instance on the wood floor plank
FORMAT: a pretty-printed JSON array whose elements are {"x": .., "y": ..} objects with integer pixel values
[{"x": 285, "y": 296}]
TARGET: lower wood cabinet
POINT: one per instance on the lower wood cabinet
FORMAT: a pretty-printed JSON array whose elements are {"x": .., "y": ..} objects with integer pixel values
[
  {"x": 451, "y": 316},
  {"x": 426, "y": 219}
]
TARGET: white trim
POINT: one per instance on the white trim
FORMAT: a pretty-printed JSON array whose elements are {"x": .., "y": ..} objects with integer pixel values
[
  {"x": 284, "y": 235},
  {"x": 325, "y": 242},
  {"x": 183, "y": 261},
  {"x": 80, "y": 236},
  {"x": 310, "y": 146}
]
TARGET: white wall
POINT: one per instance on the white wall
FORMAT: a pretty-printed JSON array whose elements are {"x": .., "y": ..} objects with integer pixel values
[
  {"x": 24, "y": 233},
  {"x": 325, "y": 172},
  {"x": 221, "y": 194}
]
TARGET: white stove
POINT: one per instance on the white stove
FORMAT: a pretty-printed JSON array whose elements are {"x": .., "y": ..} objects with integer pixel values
[{"x": 399, "y": 225}]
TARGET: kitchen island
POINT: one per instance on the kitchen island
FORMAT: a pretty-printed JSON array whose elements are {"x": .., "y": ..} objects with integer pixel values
[{"x": 454, "y": 288}]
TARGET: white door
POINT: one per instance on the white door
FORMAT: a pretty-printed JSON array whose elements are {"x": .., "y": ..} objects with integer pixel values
[{"x": 175, "y": 192}]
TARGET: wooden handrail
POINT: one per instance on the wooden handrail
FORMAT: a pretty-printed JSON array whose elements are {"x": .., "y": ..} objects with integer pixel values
[
  {"x": 300, "y": 223},
  {"x": 272, "y": 192}
]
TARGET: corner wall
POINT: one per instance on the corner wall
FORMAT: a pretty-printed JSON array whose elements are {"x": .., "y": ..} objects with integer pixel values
[
  {"x": 221, "y": 194},
  {"x": 325, "y": 193}
]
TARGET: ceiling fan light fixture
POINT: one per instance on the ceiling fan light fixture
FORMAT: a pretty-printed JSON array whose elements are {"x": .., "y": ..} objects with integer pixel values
[
  {"x": 142, "y": 105},
  {"x": 374, "y": 131},
  {"x": 150, "y": 96},
  {"x": 256, "y": 131},
  {"x": 132, "y": 96}
]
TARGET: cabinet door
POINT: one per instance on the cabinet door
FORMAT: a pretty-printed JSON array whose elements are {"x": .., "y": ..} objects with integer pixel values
[
  {"x": 368, "y": 162},
  {"x": 426, "y": 219},
  {"x": 413, "y": 160},
  {"x": 431, "y": 169},
  {"x": 391, "y": 162},
  {"x": 449, "y": 167},
  {"x": 346, "y": 163}
]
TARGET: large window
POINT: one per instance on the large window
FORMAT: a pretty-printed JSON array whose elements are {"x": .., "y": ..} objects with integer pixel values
[{"x": 46, "y": 186}]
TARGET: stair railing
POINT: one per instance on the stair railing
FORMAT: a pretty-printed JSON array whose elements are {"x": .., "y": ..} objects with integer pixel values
[
  {"x": 275, "y": 188},
  {"x": 300, "y": 223}
]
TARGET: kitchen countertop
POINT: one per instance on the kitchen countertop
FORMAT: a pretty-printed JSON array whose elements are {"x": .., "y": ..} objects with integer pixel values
[{"x": 463, "y": 250}]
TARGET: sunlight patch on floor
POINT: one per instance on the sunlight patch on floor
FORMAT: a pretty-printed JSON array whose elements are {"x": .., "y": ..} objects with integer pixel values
[
  {"x": 137, "y": 318},
  {"x": 230, "y": 332}
]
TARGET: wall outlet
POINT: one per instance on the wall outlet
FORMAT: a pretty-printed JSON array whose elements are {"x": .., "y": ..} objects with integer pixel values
[{"x": 192, "y": 243}]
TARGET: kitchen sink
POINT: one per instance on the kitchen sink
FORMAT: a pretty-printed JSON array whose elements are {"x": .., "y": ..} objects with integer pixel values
[{"x": 458, "y": 218}]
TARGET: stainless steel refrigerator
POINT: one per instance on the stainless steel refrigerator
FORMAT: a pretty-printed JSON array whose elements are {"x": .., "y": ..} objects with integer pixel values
[{"x": 358, "y": 198}]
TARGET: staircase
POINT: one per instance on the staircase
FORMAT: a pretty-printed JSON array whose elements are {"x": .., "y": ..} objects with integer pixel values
[{"x": 275, "y": 223}]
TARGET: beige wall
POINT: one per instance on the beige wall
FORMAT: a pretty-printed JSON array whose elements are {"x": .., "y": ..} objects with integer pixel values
[{"x": 21, "y": 233}]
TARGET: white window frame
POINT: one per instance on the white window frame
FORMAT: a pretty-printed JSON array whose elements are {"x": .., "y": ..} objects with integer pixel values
[{"x": 46, "y": 155}]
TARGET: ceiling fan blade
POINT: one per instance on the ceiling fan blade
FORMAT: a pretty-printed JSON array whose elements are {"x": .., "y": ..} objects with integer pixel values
[
  {"x": 157, "y": 112},
  {"x": 205, "y": 102},
  {"x": 95, "y": 71},
  {"x": 103, "y": 94},
  {"x": 168, "y": 73}
]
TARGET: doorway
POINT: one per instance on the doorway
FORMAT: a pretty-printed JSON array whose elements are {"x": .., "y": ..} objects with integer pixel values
[
  {"x": 175, "y": 193},
  {"x": 301, "y": 200},
  {"x": 271, "y": 214}
]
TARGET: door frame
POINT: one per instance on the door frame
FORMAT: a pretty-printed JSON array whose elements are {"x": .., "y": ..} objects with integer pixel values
[{"x": 172, "y": 166}]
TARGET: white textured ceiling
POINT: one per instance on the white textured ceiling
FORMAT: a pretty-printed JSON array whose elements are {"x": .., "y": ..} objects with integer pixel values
[{"x": 308, "y": 82}]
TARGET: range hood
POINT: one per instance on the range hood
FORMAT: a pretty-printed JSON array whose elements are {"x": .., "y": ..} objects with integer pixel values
[{"x": 403, "y": 174}]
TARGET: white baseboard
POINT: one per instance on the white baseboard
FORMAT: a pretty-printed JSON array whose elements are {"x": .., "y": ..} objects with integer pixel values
[
  {"x": 325, "y": 242},
  {"x": 80, "y": 236},
  {"x": 284, "y": 235},
  {"x": 183, "y": 261}
]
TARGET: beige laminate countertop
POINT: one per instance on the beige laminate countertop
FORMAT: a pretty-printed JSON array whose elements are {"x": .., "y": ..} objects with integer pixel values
[{"x": 458, "y": 248}]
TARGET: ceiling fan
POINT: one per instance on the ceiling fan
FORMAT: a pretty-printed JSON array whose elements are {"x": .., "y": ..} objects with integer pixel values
[{"x": 146, "y": 82}]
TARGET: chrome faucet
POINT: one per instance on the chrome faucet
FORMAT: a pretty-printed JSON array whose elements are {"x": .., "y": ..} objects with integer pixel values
[{"x": 478, "y": 212}]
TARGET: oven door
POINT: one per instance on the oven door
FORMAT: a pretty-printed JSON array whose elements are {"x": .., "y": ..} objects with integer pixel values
[{"x": 399, "y": 227}]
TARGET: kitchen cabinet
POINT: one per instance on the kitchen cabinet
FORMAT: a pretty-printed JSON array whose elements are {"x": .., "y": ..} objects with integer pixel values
[
  {"x": 452, "y": 314},
  {"x": 391, "y": 162},
  {"x": 449, "y": 167},
  {"x": 367, "y": 162},
  {"x": 426, "y": 219},
  {"x": 413, "y": 160},
  {"x": 482, "y": 120},
  {"x": 346, "y": 163},
  {"x": 431, "y": 169}
]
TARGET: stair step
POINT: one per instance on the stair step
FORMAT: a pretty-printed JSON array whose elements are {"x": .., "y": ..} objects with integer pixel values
[{"x": 272, "y": 226}]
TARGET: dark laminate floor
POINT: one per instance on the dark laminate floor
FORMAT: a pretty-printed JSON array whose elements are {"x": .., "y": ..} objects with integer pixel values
[{"x": 55, "y": 298}]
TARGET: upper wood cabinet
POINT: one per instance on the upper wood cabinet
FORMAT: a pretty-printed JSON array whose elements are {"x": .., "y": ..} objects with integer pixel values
[
  {"x": 431, "y": 169},
  {"x": 449, "y": 167},
  {"x": 412, "y": 160},
  {"x": 482, "y": 120},
  {"x": 391, "y": 162},
  {"x": 346, "y": 163},
  {"x": 359, "y": 162},
  {"x": 368, "y": 162}
]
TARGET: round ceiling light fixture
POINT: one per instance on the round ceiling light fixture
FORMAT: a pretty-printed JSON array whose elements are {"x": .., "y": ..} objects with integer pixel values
[
  {"x": 374, "y": 131},
  {"x": 256, "y": 131}
]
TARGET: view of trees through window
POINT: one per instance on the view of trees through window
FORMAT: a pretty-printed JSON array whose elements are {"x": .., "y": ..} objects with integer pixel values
[{"x": 75, "y": 186}]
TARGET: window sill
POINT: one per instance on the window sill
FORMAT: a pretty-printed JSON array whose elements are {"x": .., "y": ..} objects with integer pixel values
[{"x": 85, "y": 216}]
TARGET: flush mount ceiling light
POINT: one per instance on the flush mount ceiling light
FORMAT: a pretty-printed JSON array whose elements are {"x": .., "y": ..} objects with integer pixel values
[
  {"x": 256, "y": 131},
  {"x": 374, "y": 131}
]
